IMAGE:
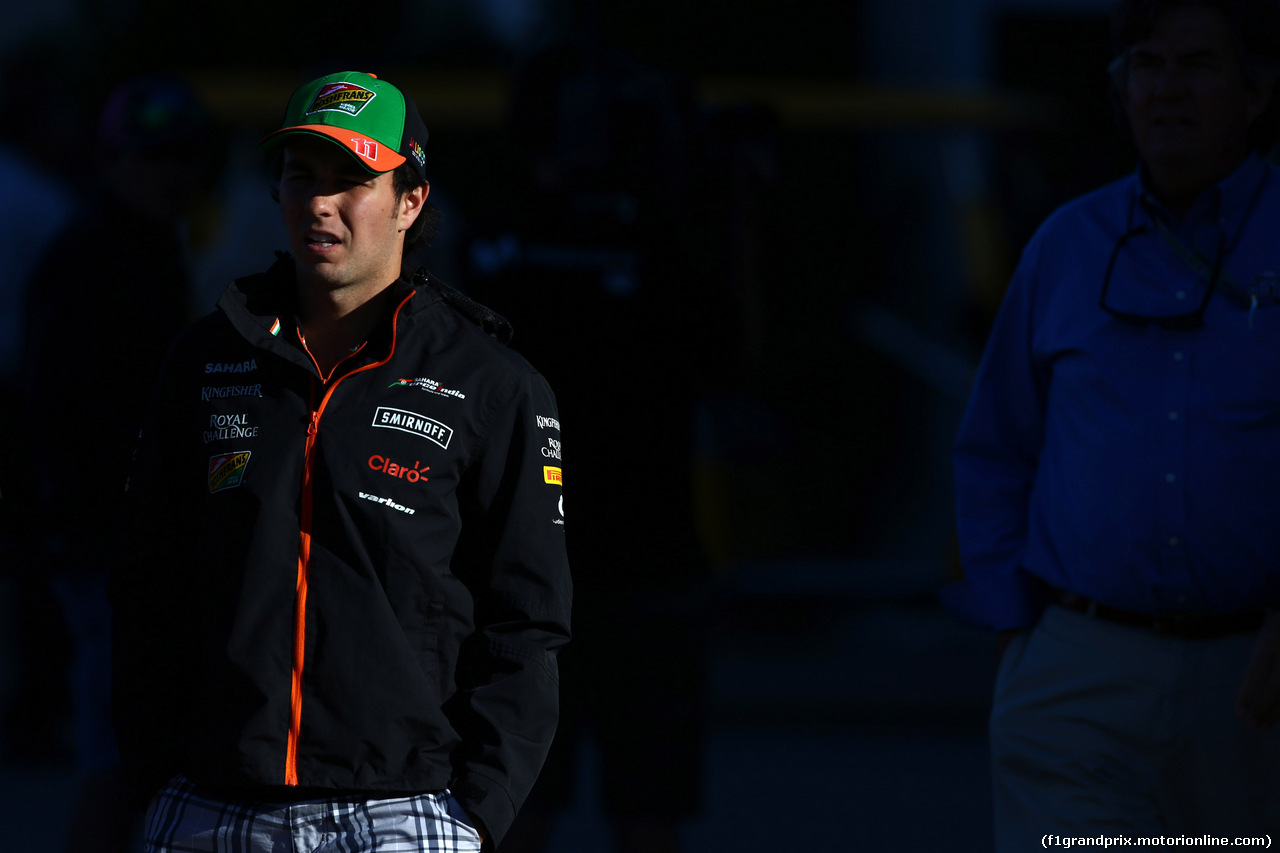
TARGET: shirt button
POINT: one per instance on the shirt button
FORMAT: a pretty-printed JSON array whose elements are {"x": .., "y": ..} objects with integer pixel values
[
  {"x": 1173, "y": 541},
  {"x": 1177, "y": 356},
  {"x": 1182, "y": 599},
  {"x": 1170, "y": 477},
  {"x": 1181, "y": 294},
  {"x": 1173, "y": 416}
]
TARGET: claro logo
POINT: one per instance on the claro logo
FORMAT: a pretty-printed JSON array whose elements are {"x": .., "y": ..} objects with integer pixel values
[{"x": 400, "y": 472}]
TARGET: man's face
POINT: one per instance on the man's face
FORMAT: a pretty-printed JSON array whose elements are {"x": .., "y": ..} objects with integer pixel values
[
  {"x": 1186, "y": 98},
  {"x": 346, "y": 227}
]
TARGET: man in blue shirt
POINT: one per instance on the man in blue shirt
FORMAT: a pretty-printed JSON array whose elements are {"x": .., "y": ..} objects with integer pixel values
[{"x": 1118, "y": 469}]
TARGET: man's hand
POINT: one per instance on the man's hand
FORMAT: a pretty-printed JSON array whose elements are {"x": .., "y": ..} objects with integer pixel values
[
  {"x": 477, "y": 824},
  {"x": 460, "y": 813},
  {"x": 1259, "y": 701}
]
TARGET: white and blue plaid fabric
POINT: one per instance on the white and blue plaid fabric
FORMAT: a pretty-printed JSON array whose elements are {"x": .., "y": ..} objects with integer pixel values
[{"x": 183, "y": 819}]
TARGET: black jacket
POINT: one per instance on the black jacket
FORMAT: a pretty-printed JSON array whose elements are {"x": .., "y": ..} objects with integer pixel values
[{"x": 347, "y": 586}]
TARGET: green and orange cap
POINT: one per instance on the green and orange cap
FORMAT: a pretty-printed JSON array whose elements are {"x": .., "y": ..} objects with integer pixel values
[{"x": 370, "y": 118}]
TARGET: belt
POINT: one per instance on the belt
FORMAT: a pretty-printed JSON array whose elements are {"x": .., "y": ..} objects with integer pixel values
[{"x": 1195, "y": 626}]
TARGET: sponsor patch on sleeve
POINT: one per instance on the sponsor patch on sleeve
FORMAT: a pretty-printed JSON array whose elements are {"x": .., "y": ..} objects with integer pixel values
[
  {"x": 226, "y": 470},
  {"x": 552, "y": 475}
]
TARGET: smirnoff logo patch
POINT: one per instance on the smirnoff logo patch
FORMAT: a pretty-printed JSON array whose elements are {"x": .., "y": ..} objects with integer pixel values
[
  {"x": 341, "y": 97},
  {"x": 413, "y": 423}
]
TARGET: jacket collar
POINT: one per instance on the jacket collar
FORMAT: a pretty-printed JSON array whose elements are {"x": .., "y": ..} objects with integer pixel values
[{"x": 263, "y": 308}]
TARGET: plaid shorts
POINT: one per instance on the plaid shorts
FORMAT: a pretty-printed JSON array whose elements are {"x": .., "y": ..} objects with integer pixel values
[{"x": 183, "y": 819}]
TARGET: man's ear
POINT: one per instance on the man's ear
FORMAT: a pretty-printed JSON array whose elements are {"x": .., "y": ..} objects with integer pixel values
[{"x": 411, "y": 204}]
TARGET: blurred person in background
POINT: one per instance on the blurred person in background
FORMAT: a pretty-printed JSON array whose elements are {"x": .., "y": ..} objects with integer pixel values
[
  {"x": 1115, "y": 469},
  {"x": 102, "y": 307},
  {"x": 37, "y": 201},
  {"x": 604, "y": 267}
]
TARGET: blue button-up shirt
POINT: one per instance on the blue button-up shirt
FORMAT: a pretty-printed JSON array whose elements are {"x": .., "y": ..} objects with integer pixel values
[{"x": 1133, "y": 464}]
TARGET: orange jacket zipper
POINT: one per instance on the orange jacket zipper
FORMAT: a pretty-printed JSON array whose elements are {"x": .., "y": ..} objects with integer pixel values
[{"x": 304, "y": 553}]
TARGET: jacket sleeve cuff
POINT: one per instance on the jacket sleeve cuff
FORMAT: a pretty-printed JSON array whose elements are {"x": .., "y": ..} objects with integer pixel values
[
  {"x": 487, "y": 801},
  {"x": 999, "y": 603}
]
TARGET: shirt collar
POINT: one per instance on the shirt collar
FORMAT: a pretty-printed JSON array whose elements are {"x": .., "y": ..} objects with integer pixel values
[{"x": 1225, "y": 204}]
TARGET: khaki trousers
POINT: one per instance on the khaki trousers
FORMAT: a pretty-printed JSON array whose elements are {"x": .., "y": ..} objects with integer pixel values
[{"x": 1104, "y": 729}]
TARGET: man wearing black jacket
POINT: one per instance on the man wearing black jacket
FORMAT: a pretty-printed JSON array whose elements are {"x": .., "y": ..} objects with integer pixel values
[{"x": 344, "y": 585}]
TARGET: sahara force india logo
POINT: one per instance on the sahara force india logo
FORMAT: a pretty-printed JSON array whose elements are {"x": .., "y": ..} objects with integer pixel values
[
  {"x": 428, "y": 385},
  {"x": 341, "y": 97},
  {"x": 227, "y": 470}
]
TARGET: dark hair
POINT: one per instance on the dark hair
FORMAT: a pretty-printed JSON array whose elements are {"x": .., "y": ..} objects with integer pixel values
[
  {"x": 404, "y": 179},
  {"x": 1255, "y": 32}
]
